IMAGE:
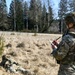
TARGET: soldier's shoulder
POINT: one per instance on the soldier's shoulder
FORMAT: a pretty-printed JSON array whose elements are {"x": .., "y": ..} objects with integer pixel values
[
  {"x": 70, "y": 35},
  {"x": 69, "y": 38}
]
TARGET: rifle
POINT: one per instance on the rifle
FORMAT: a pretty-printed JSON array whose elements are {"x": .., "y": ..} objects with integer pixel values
[{"x": 54, "y": 44}]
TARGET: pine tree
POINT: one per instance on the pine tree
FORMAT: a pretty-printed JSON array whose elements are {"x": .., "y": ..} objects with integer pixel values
[
  {"x": 39, "y": 15},
  {"x": 18, "y": 18},
  {"x": 47, "y": 17},
  {"x": 19, "y": 15},
  {"x": 44, "y": 16},
  {"x": 3, "y": 15},
  {"x": 63, "y": 9},
  {"x": 50, "y": 13},
  {"x": 11, "y": 16},
  {"x": 32, "y": 14},
  {"x": 71, "y": 4},
  {"x": 25, "y": 15}
]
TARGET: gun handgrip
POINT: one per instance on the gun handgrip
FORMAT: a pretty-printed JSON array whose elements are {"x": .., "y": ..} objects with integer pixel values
[{"x": 55, "y": 42}]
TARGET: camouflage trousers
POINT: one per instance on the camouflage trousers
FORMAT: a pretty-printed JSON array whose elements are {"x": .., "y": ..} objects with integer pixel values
[{"x": 66, "y": 70}]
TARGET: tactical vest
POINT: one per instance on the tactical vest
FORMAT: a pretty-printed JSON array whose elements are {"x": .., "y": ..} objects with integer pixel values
[{"x": 70, "y": 57}]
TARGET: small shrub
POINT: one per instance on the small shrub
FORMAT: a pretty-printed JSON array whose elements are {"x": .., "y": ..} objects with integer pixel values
[
  {"x": 12, "y": 34},
  {"x": 13, "y": 54},
  {"x": 1, "y": 45},
  {"x": 20, "y": 45},
  {"x": 8, "y": 45},
  {"x": 35, "y": 34}
]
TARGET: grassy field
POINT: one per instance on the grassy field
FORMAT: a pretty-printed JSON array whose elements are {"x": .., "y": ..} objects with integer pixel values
[{"x": 33, "y": 52}]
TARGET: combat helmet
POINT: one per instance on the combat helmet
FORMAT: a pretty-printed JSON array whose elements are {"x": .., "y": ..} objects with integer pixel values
[{"x": 70, "y": 18}]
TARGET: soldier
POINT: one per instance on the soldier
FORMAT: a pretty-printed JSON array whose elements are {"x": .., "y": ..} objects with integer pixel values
[{"x": 65, "y": 52}]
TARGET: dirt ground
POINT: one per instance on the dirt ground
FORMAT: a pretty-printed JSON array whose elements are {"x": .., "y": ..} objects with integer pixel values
[{"x": 33, "y": 52}]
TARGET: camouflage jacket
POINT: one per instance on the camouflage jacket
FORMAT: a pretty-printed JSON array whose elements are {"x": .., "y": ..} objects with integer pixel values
[{"x": 65, "y": 52}]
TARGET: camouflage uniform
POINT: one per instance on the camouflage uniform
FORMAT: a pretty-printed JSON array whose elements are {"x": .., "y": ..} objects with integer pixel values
[{"x": 65, "y": 54}]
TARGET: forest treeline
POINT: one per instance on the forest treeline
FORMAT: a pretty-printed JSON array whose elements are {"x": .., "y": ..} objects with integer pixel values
[{"x": 35, "y": 15}]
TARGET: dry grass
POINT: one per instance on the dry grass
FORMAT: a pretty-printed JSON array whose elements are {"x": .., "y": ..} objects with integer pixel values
[{"x": 32, "y": 53}]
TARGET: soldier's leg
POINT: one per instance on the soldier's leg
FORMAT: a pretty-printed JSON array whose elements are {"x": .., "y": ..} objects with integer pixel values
[{"x": 66, "y": 70}]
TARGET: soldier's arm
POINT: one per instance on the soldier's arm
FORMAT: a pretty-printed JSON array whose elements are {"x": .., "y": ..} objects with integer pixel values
[{"x": 63, "y": 48}]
